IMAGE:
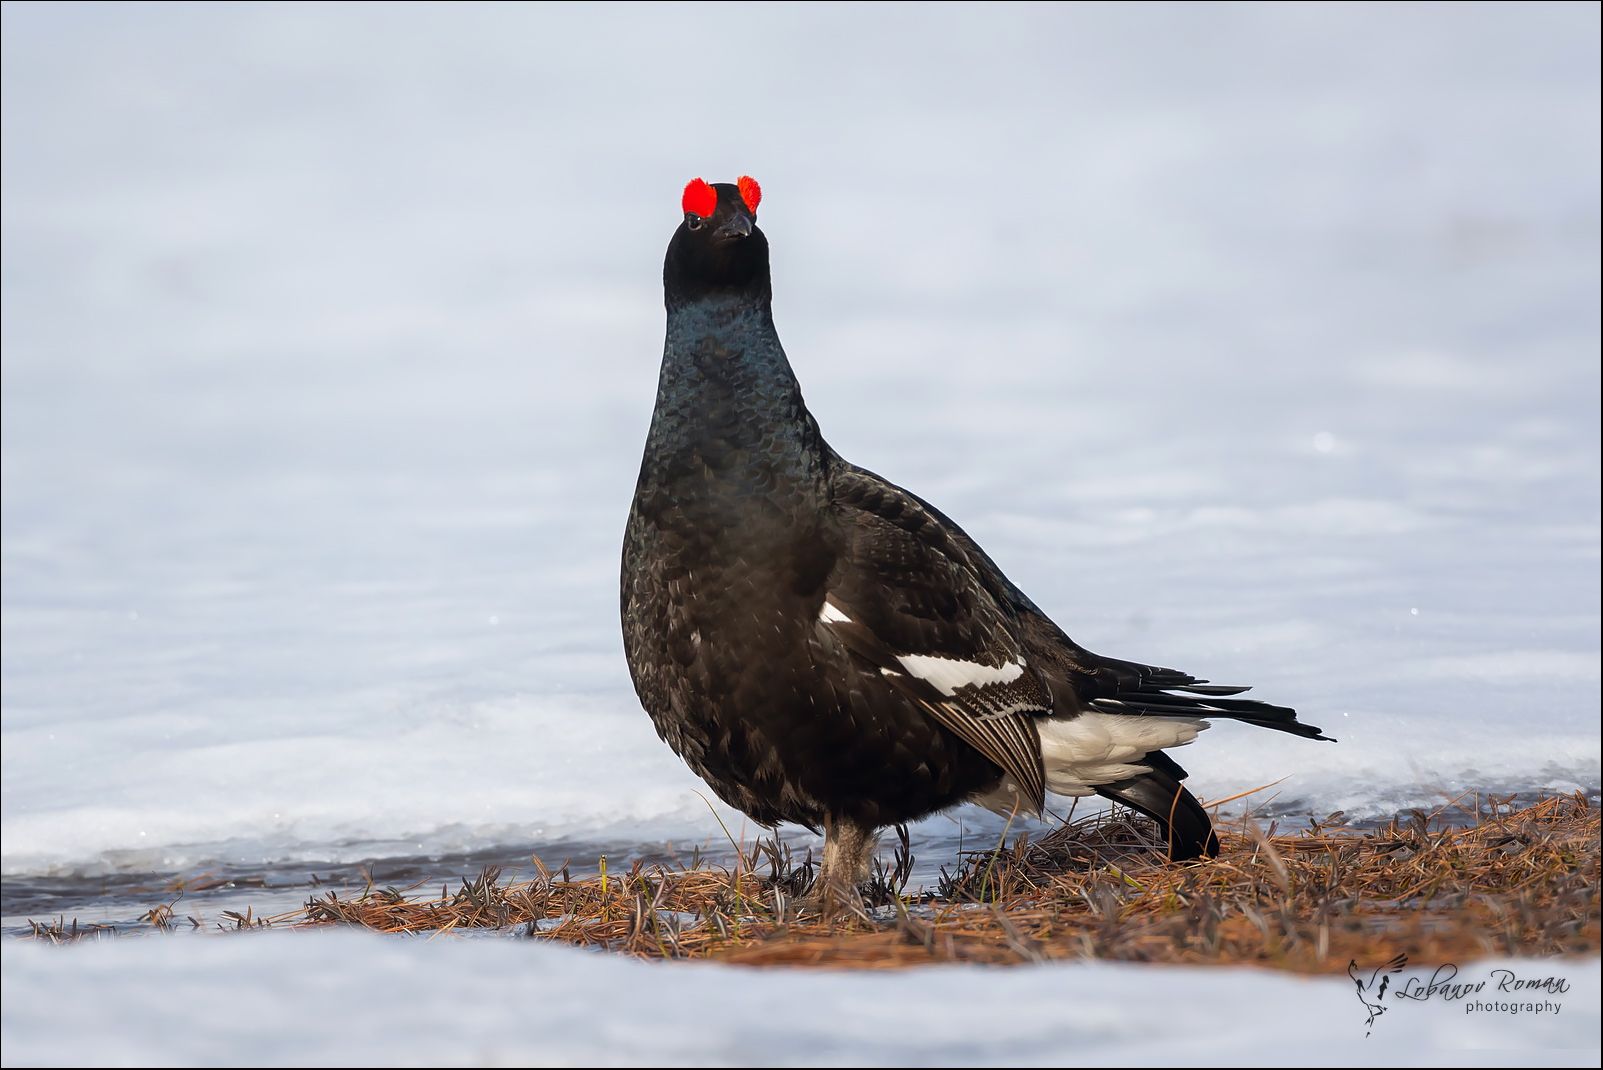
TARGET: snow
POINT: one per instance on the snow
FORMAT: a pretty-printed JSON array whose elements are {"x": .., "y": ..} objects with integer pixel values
[
  {"x": 1259, "y": 342},
  {"x": 362, "y": 1000},
  {"x": 330, "y": 343}
]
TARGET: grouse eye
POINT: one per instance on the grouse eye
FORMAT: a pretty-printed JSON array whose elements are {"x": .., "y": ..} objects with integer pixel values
[{"x": 693, "y": 221}]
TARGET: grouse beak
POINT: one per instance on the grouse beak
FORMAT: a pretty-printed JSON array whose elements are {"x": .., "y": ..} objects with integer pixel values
[{"x": 739, "y": 226}]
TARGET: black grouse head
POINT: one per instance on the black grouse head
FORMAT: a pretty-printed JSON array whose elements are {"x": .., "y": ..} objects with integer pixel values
[{"x": 718, "y": 249}]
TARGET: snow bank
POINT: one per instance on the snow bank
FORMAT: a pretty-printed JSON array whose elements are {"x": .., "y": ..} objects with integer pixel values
[{"x": 331, "y": 999}]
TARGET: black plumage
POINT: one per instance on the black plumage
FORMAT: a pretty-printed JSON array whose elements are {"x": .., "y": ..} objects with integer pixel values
[{"x": 826, "y": 648}]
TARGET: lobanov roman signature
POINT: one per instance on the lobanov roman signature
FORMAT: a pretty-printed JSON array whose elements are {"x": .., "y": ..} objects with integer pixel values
[
  {"x": 1444, "y": 985},
  {"x": 1372, "y": 989}
]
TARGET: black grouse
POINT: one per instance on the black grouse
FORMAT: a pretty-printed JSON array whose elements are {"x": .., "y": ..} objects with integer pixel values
[{"x": 826, "y": 648}]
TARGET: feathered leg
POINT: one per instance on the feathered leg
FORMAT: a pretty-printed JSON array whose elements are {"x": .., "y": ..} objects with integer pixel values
[{"x": 848, "y": 848}]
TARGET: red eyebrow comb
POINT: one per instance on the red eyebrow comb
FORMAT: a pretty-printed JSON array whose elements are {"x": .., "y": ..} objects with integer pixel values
[
  {"x": 750, "y": 192},
  {"x": 700, "y": 198}
]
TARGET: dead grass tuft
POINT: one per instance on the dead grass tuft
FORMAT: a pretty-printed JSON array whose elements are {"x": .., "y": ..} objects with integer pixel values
[{"x": 1466, "y": 881}]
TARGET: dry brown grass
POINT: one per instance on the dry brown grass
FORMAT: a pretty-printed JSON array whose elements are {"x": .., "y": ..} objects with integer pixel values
[{"x": 1516, "y": 880}]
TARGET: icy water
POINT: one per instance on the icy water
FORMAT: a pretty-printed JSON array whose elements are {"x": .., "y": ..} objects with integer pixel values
[
  {"x": 330, "y": 343},
  {"x": 118, "y": 900}
]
